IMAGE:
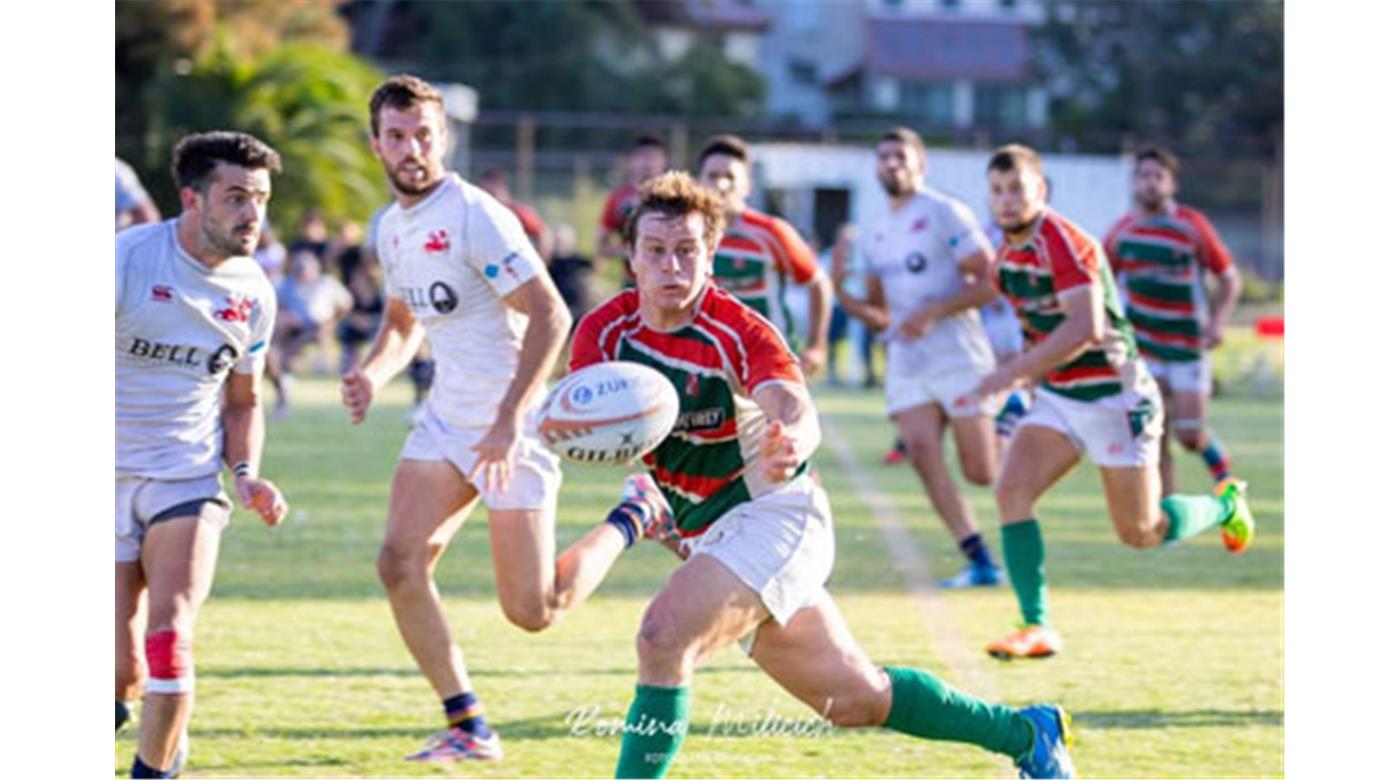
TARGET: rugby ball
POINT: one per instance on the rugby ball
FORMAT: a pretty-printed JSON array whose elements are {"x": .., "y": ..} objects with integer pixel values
[{"x": 609, "y": 413}]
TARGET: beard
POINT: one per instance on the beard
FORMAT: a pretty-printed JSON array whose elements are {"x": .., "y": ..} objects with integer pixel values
[
  {"x": 411, "y": 187},
  {"x": 894, "y": 187},
  {"x": 230, "y": 243},
  {"x": 1153, "y": 203}
]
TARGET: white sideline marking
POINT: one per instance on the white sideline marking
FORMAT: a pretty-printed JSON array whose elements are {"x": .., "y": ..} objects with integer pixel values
[{"x": 949, "y": 643}]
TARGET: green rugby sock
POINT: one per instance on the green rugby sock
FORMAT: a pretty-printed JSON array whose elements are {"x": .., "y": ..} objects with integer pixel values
[
  {"x": 1024, "y": 552},
  {"x": 1190, "y": 515},
  {"x": 922, "y": 706},
  {"x": 655, "y": 728}
]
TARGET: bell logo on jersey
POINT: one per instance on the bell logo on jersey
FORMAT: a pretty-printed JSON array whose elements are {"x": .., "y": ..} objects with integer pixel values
[
  {"x": 238, "y": 309},
  {"x": 437, "y": 242},
  {"x": 915, "y": 262},
  {"x": 442, "y": 298}
]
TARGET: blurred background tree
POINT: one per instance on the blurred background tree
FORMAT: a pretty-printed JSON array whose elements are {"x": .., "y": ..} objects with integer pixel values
[
  {"x": 1202, "y": 73},
  {"x": 274, "y": 68}
]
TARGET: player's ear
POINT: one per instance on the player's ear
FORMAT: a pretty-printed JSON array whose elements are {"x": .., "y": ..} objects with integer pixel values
[{"x": 189, "y": 199}]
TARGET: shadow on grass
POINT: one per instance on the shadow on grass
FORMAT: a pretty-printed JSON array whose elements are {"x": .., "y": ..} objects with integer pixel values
[{"x": 1191, "y": 719}]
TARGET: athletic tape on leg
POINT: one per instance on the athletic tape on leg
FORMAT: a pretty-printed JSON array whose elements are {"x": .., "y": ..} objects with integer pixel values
[{"x": 170, "y": 657}]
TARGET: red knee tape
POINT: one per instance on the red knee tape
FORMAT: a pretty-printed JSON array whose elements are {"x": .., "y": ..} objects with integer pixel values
[{"x": 170, "y": 657}]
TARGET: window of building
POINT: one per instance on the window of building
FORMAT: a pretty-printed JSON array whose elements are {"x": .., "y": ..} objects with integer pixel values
[
  {"x": 1000, "y": 105},
  {"x": 802, "y": 72},
  {"x": 927, "y": 101}
]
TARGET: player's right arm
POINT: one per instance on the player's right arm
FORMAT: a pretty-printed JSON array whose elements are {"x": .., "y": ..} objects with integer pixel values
[
  {"x": 399, "y": 337},
  {"x": 871, "y": 310}
]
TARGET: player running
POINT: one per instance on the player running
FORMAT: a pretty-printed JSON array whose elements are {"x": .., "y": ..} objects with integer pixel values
[
  {"x": 194, "y": 316},
  {"x": 646, "y": 159},
  {"x": 757, "y": 529},
  {"x": 760, "y": 254},
  {"x": 1158, "y": 251},
  {"x": 459, "y": 267},
  {"x": 1095, "y": 396},
  {"x": 929, "y": 269}
]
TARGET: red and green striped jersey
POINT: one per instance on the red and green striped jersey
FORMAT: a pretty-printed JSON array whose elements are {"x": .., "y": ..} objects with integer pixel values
[
  {"x": 1058, "y": 257},
  {"x": 709, "y": 463},
  {"x": 757, "y": 256},
  {"x": 1159, "y": 258}
]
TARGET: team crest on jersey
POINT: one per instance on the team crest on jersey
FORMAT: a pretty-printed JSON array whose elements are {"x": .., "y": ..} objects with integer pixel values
[
  {"x": 692, "y": 385},
  {"x": 437, "y": 242},
  {"x": 162, "y": 293},
  {"x": 915, "y": 262},
  {"x": 238, "y": 309}
]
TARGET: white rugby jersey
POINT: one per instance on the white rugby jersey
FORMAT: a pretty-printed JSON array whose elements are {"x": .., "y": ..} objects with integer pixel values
[
  {"x": 181, "y": 327},
  {"x": 914, "y": 251},
  {"x": 451, "y": 258}
]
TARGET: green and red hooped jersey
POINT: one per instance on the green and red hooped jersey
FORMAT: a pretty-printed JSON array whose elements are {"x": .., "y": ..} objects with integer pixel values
[
  {"x": 757, "y": 257},
  {"x": 1058, "y": 257},
  {"x": 1159, "y": 257},
  {"x": 708, "y": 464}
]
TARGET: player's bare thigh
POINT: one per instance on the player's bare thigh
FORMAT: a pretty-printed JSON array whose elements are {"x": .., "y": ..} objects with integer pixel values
[
  {"x": 976, "y": 439},
  {"x": 1134, "y": 496},
  {"x": 1037, "y": 458},
  {"x": 428, "y": 502},
  {"x": 522, "y": 551},
  {"x": 921, "y": 429},
  {"x": 703, "y": 606},
  {"x": 815, "y": 658},
  {"x": 178, "y": 558}
]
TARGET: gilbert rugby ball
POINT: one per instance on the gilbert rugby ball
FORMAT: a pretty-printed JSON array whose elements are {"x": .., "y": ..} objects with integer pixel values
[{"x": 609, "y": 413}]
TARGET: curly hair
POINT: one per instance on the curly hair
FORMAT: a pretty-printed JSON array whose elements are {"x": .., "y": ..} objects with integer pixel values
[{"x": 676, "y": 194}]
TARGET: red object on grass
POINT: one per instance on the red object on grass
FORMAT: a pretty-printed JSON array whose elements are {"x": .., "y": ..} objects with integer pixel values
[{"x": 1269, "y": 327}]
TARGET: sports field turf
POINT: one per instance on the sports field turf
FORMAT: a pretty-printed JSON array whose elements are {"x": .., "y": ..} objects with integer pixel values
[{"x": 1173, "y": 662}]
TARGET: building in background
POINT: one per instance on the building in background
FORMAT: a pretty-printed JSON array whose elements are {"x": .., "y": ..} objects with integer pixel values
[{"x": 939, "y": 65}]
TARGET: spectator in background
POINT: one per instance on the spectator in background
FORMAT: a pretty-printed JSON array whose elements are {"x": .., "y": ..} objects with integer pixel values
[
  {"x": 271, "y": 255},
  {"x": 312, "y": 235},
  {"x": 572, "y": 272},
  {"x": 366, "y": 287},
  {"x": 134, "y": 206},
  {"x": 346, "y": 252},
  {"x": 862, "y": 339},
  {"x": 646, "y": 159},
  {"x": 309, "y": 305},
  {"x": 494, "y": 181}
]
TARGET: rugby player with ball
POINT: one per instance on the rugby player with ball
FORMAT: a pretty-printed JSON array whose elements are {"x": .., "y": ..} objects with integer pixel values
[
  {"x": 459, "y": 268},
  {"x": 734, "y": 478}
]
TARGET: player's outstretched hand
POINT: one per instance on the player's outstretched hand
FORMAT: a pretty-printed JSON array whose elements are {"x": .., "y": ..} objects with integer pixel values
[
  {"x": 813, "y": 360},
  {"x": 263, "y": 497},
  {"x": 495, "y": 454},
  {"x": 356, "y": 393},
  {"x": 777, "y": 456}
]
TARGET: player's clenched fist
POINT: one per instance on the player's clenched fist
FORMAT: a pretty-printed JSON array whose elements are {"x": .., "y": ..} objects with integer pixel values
[
  {"x": 356, "y": 392},
  {"x": 263, "y": 497},
  {"x": 777, "y": 455}
]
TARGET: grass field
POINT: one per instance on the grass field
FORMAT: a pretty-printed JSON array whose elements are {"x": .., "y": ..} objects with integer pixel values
[{"x": 1173, "y": 664}]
